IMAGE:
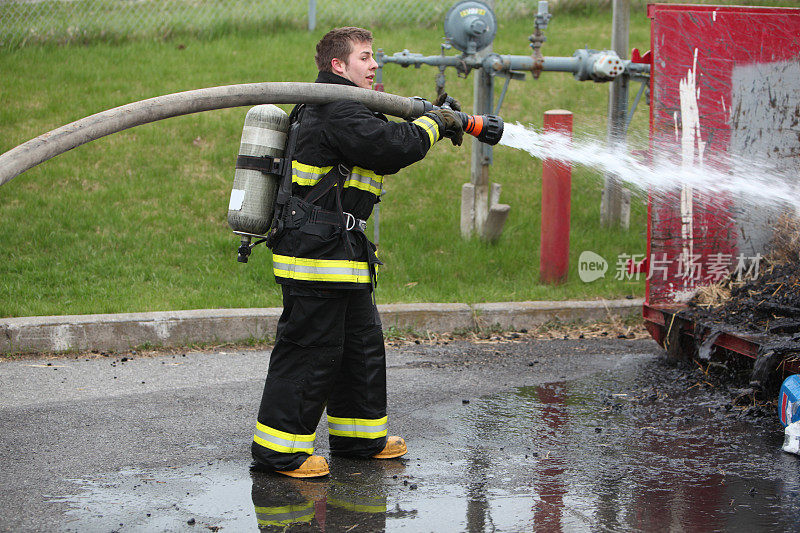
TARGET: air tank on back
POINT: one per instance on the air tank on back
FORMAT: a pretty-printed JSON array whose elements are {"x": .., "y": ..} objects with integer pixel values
[{"x": 253, "y": 196}]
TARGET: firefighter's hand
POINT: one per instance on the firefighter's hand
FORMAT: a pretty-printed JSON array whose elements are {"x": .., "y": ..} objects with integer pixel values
[
  {"x": 447, "y": 101},
  {"x": 449, "y": 124}
]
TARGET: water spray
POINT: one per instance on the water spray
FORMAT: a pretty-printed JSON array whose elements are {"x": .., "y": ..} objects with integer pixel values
[{"x": 755, "y": 182}]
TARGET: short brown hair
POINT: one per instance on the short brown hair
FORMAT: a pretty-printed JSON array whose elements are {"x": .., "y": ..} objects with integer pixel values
[{"x": 338, "y": 43}]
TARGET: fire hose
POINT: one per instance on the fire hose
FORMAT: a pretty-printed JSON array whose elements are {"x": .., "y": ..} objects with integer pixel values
[{"x": 39, "y": 149}]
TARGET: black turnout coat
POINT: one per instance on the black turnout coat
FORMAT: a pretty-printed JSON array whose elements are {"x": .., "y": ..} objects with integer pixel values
[{"x": 370, "y": 146}]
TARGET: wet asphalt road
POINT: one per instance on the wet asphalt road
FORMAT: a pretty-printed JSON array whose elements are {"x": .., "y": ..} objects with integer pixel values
[{"x": 594, "y": 435}]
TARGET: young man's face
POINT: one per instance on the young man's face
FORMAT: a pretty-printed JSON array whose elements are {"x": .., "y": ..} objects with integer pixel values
[{"x": 360, "y": 67}]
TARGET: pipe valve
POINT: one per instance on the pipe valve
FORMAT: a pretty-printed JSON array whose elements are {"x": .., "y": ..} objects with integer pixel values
[
  {"x": 244, "y": 250},
  {"x": 608, "y": 66},
  {"x": 470, "y": 26},
  {"x": 596, "y": 65}
]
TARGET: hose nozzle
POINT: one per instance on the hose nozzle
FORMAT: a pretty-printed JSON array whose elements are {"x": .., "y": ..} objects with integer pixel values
[{"x": 486, "y": 128}]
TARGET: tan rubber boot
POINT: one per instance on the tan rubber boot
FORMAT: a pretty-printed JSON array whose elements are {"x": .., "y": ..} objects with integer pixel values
[
  {"x": 314, "y": 466},
  {"x": 395, "y": 447}
]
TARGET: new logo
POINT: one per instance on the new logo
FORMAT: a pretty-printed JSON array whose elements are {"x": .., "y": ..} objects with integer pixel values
[{"x": 591, "y": 266}]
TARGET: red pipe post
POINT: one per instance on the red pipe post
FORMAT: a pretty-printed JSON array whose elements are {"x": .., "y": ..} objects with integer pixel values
[{"x": 556, "y": 192}]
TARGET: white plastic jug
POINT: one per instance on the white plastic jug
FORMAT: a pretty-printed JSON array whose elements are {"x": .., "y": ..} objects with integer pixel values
[{"x": 791, "y": 443}]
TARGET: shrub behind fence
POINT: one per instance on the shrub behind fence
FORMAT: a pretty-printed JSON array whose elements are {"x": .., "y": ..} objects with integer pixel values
[{"x": 25, "y": 22}]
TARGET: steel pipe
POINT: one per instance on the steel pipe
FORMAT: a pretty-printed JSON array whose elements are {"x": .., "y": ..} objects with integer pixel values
[
  {"x": 581, "y": 62},
  {"x": 525, "y": 63},
  {"x": 405, "y": 59},
  {"x": 40, "y": 149},
  {"x": 572, "y": 64}
]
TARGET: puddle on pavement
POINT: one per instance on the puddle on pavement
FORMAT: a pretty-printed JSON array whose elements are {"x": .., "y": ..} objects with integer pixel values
[{"x": 633, "y": 449}]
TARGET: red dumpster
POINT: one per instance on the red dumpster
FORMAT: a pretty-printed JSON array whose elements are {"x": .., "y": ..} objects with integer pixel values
[{"x": 724, "y": 80}]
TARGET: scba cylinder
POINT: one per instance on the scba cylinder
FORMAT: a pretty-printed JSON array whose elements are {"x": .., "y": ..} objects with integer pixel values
[{"x": 253, "y": 195}]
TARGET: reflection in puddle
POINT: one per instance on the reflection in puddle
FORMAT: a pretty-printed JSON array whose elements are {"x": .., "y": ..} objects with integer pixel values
[
  {"x": 636, "y": 449},
  {"x": 213, "y": 495}
]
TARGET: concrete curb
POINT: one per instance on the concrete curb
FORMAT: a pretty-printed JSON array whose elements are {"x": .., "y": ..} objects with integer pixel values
[{"x": 175, "y": 328}]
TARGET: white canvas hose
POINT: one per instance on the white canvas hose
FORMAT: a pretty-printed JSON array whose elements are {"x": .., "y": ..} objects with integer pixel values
[{"x": 55, "y": 142}]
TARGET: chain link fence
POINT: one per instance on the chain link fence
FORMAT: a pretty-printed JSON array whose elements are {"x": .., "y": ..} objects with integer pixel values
[{"x": 25, "y": 22}]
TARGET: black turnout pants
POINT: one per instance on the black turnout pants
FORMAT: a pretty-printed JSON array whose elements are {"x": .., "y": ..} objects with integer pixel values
[{"x": 328, "y": 350}]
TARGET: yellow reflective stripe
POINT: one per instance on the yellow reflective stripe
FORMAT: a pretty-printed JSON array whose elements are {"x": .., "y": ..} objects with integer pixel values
[
  {"x": 283, "y": 442},
  {"x": 359, "y": 421},
  {"x": 430, "y": 126},
  {"x": 365, "y": 180},
  {"x": 362, "y": 428},
  {"x": 357, "y": 507},
  {"x": 285, "y": 515},
  {"x": 307, "y": 175},
  {"x": 359, "y": 178},
  {"x": 368, "y": 173},
  {"x": 304, "y": 269}
]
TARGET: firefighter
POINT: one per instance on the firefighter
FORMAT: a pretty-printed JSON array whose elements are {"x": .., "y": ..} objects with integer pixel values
[{"x": 329, "y": 347}]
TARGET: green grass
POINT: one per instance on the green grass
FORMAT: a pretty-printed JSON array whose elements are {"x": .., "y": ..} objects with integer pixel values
[{"x": 137, "y": 221}]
